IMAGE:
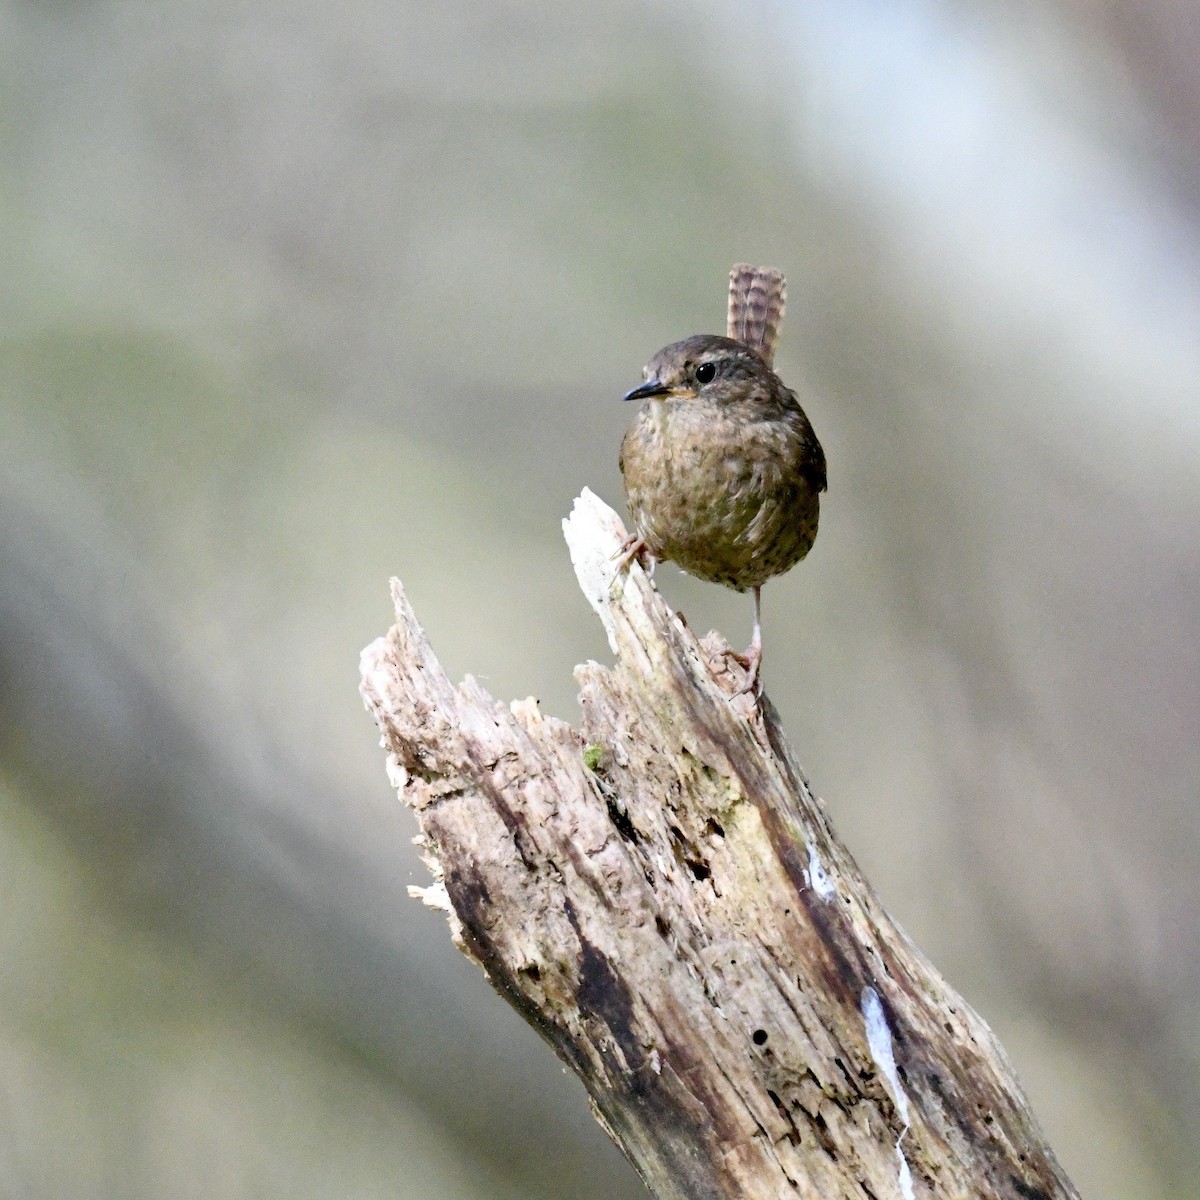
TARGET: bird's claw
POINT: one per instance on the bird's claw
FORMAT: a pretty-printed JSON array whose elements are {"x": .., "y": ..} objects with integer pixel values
[
  {"x": 634, "y": 546},
  {"x": 752, "y": 661}
]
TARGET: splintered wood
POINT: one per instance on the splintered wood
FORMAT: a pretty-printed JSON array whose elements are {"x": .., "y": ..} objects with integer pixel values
[{"x": 660, "y": 894}]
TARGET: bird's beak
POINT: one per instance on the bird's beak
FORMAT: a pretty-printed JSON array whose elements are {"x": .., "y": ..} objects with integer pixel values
[{"x": 652, "y": 387}]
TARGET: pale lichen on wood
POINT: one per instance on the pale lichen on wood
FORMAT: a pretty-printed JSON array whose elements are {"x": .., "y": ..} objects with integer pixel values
[{"x": 661, "y": 895}]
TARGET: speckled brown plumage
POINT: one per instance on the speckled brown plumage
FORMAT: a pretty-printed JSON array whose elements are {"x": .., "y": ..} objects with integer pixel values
[
  {"x": 723, "y": 478},
  {"x": 722, "y": 469}
]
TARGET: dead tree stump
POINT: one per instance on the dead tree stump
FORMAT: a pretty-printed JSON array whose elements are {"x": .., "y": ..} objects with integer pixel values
[{"x": 660, "y": 894}]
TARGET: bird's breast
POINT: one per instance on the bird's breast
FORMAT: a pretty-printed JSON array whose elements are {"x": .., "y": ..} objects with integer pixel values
[{"x": 718, "y": 492}]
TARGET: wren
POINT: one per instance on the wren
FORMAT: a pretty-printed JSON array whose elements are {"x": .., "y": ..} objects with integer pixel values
[{"x": 723, "y": 472}]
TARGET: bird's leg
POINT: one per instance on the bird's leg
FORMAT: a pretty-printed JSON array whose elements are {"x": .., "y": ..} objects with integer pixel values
[
  {"x": 752, "y": 659},
  {"x": 634, "y": 546}
]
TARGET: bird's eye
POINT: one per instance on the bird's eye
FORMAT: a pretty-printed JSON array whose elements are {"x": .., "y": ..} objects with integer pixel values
[{"x": 706, "y": 372}]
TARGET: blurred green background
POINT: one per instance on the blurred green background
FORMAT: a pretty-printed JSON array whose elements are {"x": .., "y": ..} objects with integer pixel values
[{"x": 299, "y": 296}]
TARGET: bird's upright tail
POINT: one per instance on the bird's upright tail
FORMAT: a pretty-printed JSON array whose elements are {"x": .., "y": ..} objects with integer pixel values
[{"x": 757, "y": 296}]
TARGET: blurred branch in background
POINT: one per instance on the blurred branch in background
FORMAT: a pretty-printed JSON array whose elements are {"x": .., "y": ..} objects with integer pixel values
[{"x": 297, "y": 300}]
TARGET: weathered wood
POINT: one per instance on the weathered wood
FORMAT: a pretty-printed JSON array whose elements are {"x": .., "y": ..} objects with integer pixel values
[{"x": 661, "y": 896}]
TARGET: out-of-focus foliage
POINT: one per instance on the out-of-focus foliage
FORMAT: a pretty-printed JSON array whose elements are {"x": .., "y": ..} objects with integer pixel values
[{"x": 300, "y": 296}]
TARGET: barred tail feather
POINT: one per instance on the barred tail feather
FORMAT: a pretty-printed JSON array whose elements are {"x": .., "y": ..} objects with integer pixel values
[
  {"x": 757, "y": 297},
  {"x": 740, "y": 279}
]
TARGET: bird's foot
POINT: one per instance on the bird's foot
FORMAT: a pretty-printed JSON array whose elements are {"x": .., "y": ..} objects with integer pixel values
[
  {"x": 634, "y": 546},
  {"x": 752, "y": 661}
]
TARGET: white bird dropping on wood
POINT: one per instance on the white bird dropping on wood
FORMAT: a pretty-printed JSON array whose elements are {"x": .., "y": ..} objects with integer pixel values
[{"x": 879, "y": 1041}]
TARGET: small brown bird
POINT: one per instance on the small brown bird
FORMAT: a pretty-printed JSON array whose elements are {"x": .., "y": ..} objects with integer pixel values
[{"x": 723, "y": 471}]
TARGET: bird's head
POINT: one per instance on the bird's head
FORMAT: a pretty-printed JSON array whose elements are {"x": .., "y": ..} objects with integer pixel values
[{"x": 705, "y": 366}]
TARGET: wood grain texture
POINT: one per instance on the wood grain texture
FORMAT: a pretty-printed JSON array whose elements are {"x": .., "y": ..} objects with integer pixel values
[{"x": 660, "y": 894}]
